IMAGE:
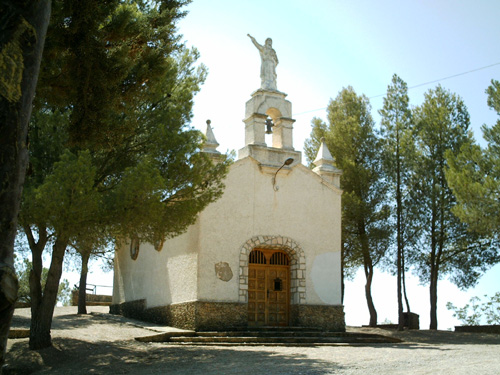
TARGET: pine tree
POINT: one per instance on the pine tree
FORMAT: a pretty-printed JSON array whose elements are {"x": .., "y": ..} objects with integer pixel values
[
  {"x": 447, "y": 247},
  {"x": 23, "y": 25},
  {"x": 398, "y": 145},
  {"x": 122, "y": 162},
  {"x": 474, "y": 176},
  {"x": 353, "y": 143}
]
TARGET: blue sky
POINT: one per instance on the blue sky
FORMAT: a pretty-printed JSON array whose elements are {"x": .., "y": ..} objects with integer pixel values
[
  {"x": 323, "y": 46},
  {"x": 333, "y": 44}
]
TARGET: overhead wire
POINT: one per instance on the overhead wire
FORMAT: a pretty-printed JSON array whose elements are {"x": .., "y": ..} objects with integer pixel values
[{"x": 414, "y": 86}]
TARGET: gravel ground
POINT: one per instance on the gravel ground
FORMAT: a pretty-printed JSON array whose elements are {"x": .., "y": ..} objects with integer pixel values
[{"x": 102, "y": 344}]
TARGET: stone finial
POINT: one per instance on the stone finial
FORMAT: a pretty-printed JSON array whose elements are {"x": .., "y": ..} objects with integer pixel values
[
  {"x": 325, "y": 165},
  {"x": 211, "y": 143},
  {"x": 324, "y": 158}
]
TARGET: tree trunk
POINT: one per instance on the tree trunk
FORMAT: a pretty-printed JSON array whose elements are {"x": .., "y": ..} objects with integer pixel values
[
  {"x": 433, "y": 297},
  {"x": 403, "y": 274},
  {"x": 342, "y": 282},
  {"x": 399, "y": 292},
  {"x": 368, "y": 294},
  {"x": 399, "y": 240},
  {"x": 82, "y": 292},
  {"x": 433, "y": 271},
  {"x": 41, "y": 314},
  {"x": 368, "y": 267},
  {"x": 35, "y": 279},
  {"x": 22, "y": 36},
  {"x": 437, "y": 245}
]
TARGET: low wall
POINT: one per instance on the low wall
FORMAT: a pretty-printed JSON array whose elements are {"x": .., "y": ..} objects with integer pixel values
[
  {"x": 92, "y": 299},
  {"x": 478, "y": 329},
  {"x": 195, "y": 315}
]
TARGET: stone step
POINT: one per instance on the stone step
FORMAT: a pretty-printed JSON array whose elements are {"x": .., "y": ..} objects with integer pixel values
[
  {"x": 268, "y": 338},
  {"x": 352, "y": 339},
  {"x": 285, "y": 328},
  {"x": 304, "y": 333}
]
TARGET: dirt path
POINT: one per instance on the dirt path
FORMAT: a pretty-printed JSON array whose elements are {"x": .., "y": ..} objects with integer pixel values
[{"x": 103, "y": 344}]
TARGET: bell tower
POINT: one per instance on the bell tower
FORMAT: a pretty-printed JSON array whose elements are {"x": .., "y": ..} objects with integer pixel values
[{"x": 269, "y": 112}]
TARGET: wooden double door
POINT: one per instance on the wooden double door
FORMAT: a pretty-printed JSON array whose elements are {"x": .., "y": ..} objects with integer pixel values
[{"x": 268, "y": 288}]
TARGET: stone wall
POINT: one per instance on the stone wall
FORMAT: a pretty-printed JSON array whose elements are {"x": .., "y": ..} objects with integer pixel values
[
  {"x": 479, "y": 329},
  {"x": 196, "y": 315},
  {"x": 214, "y": 316},
  {"x": 91, "y": 299},
  {"x": 326, "y": 317},
  {"x": 220, "y": 316}
]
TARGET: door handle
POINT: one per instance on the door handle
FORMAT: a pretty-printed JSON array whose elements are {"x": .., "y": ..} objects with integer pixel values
[{"x": 268, "y": 293}]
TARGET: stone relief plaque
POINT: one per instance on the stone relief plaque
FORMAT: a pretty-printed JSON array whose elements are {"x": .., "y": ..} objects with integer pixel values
[{"x": 223, "y": 271}]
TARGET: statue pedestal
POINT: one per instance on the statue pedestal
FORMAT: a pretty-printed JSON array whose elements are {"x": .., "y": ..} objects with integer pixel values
[{"x": 269, "y": 156}]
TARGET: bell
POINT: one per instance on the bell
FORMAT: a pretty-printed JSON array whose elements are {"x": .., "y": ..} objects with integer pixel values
[{"x": 269, "y": 125}]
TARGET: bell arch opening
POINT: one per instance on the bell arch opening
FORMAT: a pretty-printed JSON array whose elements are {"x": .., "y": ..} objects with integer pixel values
[
  {"x": 274, "y": 113},
  {"x": 297, "y": 265}
]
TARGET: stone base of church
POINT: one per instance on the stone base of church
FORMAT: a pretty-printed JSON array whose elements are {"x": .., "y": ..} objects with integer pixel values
[
  {"x": 219, "y": 316},
  {"x": 326, "y": 317},
  {"x": 195, "y": 315}
]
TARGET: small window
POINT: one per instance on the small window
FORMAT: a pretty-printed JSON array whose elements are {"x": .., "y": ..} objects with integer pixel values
[
  {"x": 279, "y": 259},
  {"x": 278, "y": 285},
  {"x": 257, "y": 257}
]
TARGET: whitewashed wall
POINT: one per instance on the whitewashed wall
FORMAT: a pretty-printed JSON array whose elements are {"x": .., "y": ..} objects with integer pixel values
[
  {"x": 162, "y": 278},
  {"x": 305, "y": 208}
]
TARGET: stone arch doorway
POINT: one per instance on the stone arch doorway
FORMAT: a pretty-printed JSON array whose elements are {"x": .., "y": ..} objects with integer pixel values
[
  {"x": 297, "y": 265},
  {"x": 268, "y": 288}
]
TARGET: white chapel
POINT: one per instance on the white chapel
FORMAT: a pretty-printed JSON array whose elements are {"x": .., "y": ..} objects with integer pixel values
[{"x": 267, "y": 253}]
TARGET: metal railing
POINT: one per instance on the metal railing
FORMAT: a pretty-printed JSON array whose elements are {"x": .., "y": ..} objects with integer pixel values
[{"x": 92, "y": 288}]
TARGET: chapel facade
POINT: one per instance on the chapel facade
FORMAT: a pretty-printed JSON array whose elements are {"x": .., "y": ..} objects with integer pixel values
[{"x": 266, "y": 254}]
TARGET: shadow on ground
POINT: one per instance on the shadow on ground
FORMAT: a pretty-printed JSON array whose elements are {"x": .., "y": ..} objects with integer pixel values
[
  {"x": 20, "y": 322},
  {"x": 436, "y": 337},
  {"x": 63, "y": 322},
  {"x": 71, "y": 356}
]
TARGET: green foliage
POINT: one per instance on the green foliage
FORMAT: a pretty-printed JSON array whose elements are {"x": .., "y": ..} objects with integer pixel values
[
  {"x": 311, "y": 145},
  {"x": 112, "y": 153},
  {"x": 474, "y": 311},
  {"x": 448, "y": 246},
  {"x": 68, "y": 197},
  {"x": 398, "y": 155},
  {"x": 474, "y": 176},
  {"x": 120, "y": 88},
  {"x": 64, "y": 293},
  {"x": 356, "y": 150},
  {"x": 12, "y": 60},
  {"x": 491, "y": 309},
  {"x": 23, "y": 274},
  {"x": 473, "y": 318},
  {"x": 397, "y": 135},
  {"x": 106, "y": 65}
]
